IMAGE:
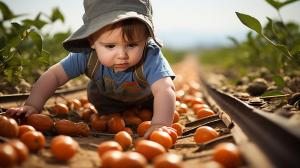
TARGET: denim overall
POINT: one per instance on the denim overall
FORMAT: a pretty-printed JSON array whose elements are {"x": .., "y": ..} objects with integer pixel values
[{"x": 103, "y": 95}]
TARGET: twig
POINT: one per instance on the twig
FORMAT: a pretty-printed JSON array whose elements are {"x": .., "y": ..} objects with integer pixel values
[
  {"x": 203, "y": 145},
  {"x": 275, "y": 96},
  {"x": 196, "y": 156}
]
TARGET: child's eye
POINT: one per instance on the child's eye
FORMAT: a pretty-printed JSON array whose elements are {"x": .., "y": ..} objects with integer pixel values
[
  {"x": 110, "y": 46},
  {"x": 132, "y": 45}
]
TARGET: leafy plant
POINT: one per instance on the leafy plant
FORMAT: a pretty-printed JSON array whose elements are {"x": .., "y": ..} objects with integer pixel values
[
  {"x": 275, "y": 46},
  {"x": 22, "y": 45}
]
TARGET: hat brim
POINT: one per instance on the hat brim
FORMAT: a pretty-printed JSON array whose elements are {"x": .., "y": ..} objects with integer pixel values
[{"x": 78, "y": 42}]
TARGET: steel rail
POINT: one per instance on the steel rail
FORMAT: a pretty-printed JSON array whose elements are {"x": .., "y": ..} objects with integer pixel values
[
  {"x": 277, "y": 139},
  {"x": 23, "y": 96}
]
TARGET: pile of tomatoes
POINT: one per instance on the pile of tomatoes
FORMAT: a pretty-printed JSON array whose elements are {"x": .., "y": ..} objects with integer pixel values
[{"x": 124, "y": 149}]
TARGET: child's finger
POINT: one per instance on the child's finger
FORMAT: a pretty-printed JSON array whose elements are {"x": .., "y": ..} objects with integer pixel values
[
  {"x": 29, "y": 113},
  {"x": 20, "y": 111},
  {"x": 11, "y": 111}
]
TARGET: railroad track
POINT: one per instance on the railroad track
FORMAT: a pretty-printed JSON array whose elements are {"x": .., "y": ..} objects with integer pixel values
[
  {"x": 274, "y": 135},
  {"x": 23, "y": 96}
]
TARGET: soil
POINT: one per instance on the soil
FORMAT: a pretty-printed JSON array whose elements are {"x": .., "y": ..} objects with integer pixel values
[{"x": 286, "y": 105}]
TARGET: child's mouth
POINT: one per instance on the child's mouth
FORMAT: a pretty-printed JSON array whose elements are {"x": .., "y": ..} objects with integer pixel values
[{"x": 122, "y": 66}]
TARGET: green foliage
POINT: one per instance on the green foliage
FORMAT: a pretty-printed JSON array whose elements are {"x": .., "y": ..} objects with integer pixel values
[
  {"x": 277, "y": 4},
  {"x": 250, "y": 22},
  {"x": 22, "y": 45},
  {"x": 276, "y": 46},
  {"x": 173, "y": 56},
  {"x": 255, "y": 25}
]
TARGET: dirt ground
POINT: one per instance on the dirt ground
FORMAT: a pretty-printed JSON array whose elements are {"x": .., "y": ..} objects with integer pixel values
[{"x": 87, "y": 156}]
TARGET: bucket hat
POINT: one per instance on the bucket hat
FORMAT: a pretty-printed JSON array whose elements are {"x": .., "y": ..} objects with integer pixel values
[{"x": 100, "y": 13}]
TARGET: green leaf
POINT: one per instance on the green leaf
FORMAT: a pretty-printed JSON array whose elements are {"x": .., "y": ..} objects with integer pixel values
[
  {"x": 272, "y": 93},
  {"x": 278, "y": 81},
  {"x": 37, "y": 23},
  {"x": 7, "y": 14},
  {"x": 56, "y": 15},
  {"x": 282, "y": 48},
  {"x": 37, "y": 40},
  {"x": 233, "y": 40},
  {"x": 296, "y": 57},
  {"x": 44, "y": 57},
  {"x": 18, "y": 28},
  {"x": 277, "y": 4},
  {"x": 250, "y": 22},
  {"x": 271, "y": 24},
  {"x": 9, "y": 74}
]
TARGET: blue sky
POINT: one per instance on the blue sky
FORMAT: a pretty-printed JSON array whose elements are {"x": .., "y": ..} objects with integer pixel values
[{"x": 178, "y": 23}]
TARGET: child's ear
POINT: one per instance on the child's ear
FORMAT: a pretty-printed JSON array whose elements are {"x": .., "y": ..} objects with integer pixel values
[{"x": 91, "y": 41}]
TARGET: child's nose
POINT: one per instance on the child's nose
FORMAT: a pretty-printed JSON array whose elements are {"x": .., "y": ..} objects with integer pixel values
[{"x": 122, "y": 54}]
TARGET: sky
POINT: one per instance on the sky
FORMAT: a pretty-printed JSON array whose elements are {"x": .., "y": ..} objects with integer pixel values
[{"x": 180, "y": 24}]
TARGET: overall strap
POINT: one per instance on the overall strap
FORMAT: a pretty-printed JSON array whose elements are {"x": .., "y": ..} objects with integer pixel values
[
  {"x": 93, "y": 65},
  {"x": 139, "y": 71}
]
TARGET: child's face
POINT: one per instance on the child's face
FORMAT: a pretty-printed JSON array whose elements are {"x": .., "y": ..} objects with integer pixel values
[{"x": 116, "y": 52}]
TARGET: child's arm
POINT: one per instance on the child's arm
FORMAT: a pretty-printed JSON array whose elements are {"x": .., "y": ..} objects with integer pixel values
[
  {"x": 163, "y": 91},
  {"x": 44, "y": 88}
]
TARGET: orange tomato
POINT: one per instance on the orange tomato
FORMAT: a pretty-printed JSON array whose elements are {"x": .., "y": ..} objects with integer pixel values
[
  {"x": 74, "y": 104},
  {"x": 25, "y": 128},
  {"x": 149, "y": 149},
  {"x": 168, "y": 160},
  {"x": 145, "y": 114},
  {"x": 182, "y": 108},
  {"x": 8, "y": 127},
  {"x": 110, "y": 159},
  {"x": 188, "y": 99},
  {"x": 132, "y": 120},
  {"x": 143, "y": 127},
  {"x": 41, "y": 122},
  {"x": 176, "y": 117},
  {"x": 63, "y": 147},
  {"x": 8, "y": 156},
  {"x": 197, "y": 107},
  {"x": 99, "y": 123},
  {"x": 173, "y": 133},
  {"x": 227, "y": 154},
  {"x": 179, "y": 95},
  {"x": 162, "y": 138},
  {"x": 178, "y": 127},
  {"x": 60, "y": 109},
  {"x": 128, "y": 130},
  {"x": 107, "y": 146},
  {"x": 196, "y": 101},
  {"x": 204, "y": 134},
  {"x": 115, "y": 124},
  {"x": 86, "y": 114},
  {"x": 84, "y": 100},
  {"x": 132, "y": 160},
  {"x": 83, "y": 129},
  {"x": 21, "y": 150},
  {"x": 34, "y": 140},
  {"x": 203, "y": 113},
  {"x": 124, "y": 139}
]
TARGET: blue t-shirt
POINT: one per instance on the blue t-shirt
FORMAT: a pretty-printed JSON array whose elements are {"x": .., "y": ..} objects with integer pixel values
[{"x": 122, "y": 85}]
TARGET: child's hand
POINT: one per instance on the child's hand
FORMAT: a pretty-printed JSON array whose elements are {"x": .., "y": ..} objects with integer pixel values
[
  {"x": 18, "y": 111},
  {"x": 155, "y": 127}
]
